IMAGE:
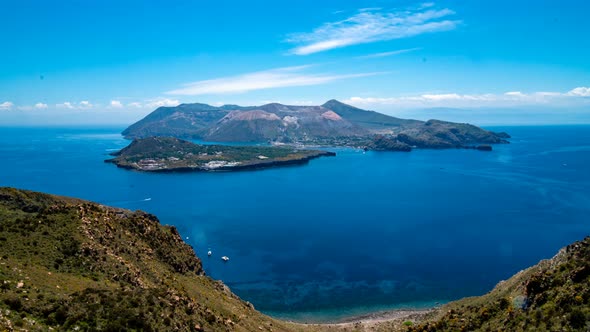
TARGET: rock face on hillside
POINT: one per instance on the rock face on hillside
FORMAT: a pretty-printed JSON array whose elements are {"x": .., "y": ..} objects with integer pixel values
[
  {"x": 69, "y": 265},
  {"x": 169, "y": 154},
  {"x": 333, "y": 123}
]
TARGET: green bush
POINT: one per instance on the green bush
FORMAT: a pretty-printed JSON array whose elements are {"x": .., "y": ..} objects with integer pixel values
[{"x": 577, "y": 319}]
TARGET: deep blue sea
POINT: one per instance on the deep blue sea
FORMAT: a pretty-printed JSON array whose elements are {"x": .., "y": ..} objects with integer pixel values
[{"x": 345, "y": 235}]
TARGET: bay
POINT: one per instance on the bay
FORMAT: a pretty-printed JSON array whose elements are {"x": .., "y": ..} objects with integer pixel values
[{"x": 348, "y": 235}]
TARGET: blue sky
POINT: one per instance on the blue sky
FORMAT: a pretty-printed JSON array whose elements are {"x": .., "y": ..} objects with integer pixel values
[{"x": 106, "y": 61}]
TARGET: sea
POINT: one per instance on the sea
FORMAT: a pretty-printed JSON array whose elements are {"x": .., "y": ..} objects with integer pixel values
[{"x": 346, "y": 235}]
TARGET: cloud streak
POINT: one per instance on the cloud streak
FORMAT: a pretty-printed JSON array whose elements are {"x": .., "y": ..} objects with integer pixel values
[
  {"x": 391, "y": 53},
  {"x": 7, "y": 105},
  {"x": 577, "y": 96},
  {"x": 580, "y": 92},
  {"x": 155, "y": 103},
  {"x": 115, "y": 104},
  {"x": 268, "y": 79},
  {"x": 66, "y": 104},
  {"x": 373, "y": 25},
  {"x": 85, "y": 104}
]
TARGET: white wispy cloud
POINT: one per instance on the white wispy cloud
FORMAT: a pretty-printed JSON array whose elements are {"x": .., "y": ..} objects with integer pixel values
[
  {"x": 516, "y": 94},
  {"x": 37, "y": 106},
  {"x": 65, "y": 104},
  {"x": 580, "y": 92},
  {"x": 372, "y": 25},
  {"x": 85, "y": 104},
  {"x": 268, "y": 79},
  {"x": 369, "y": 9},
  {"x": 6, "y": 105},
  {"x": 154, "y": 103},
  {"x": 135, "y": 105},
  {"x": 427, "y": 5},
  {"x": 390, "y": 53},
  {"x": 575, "y": 96},
  {"x": 115, "y": 104},
  {"x": 88, "y": 105}
]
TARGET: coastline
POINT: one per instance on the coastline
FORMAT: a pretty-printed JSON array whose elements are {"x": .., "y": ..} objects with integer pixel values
[
  {"x": 245, "y": 167},
  {"x": 384, "y": 316},
  {"x": 356, "y": 315},
  {"x": 387, "y": 320}
]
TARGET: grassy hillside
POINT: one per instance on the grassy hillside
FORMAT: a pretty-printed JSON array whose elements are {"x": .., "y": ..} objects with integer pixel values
[
  {"x": 553, "y": 295},
  {"x": 69, "y": 264}
]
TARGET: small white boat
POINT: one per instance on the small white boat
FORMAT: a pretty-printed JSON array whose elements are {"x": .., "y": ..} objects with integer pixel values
[
  {"x": 224, "y": 258},
  {"x": 209, "y": 253}
]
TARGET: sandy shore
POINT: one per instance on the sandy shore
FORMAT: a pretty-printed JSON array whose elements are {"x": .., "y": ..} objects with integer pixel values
[
  {"x": 390, "y": 320},
  {"x": 383, "y": 316}
]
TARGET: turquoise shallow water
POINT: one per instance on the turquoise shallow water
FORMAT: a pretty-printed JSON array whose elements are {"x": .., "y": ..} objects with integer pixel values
[{"x": 345, "y": 235}]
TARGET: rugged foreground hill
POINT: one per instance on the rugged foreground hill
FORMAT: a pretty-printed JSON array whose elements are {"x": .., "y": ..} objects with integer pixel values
[
  {"x": 68, "y": 264},
  {"x": 553, "y": 295},
  {"x": 333, "y": 123},
  {"x": 169, "y": 154}
]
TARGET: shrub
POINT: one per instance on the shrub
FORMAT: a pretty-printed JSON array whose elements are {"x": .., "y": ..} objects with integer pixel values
[
  {"x": 577, "y": 319},
  {"x": 14, "y": 303}
]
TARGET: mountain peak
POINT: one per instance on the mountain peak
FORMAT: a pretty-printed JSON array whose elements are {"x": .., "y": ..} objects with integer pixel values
[{"x": 335, "y": 102}]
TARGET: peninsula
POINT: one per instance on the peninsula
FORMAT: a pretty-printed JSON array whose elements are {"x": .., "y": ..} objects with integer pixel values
[
  {"x": 331, "y": 124},
  {"x": 168, "y": 154}
]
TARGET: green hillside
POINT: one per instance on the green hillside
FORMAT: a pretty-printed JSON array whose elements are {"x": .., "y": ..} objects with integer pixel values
[
  {"x": 69, "y": 264},
  {"x": 553, "y": 295}
]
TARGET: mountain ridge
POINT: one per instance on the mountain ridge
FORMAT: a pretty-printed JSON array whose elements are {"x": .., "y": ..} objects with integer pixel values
[{"x": 333, "y": 123}]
